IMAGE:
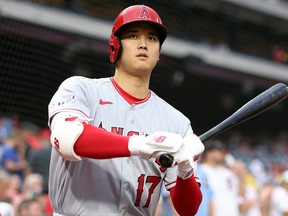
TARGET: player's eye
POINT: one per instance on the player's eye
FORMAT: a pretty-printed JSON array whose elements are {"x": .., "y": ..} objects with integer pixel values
[
  {"x": 133, "y": 36},
  {"x": 152, "y": 38}
]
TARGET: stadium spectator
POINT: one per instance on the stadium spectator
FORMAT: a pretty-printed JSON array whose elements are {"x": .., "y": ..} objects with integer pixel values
[
  {"x": 207, "y": 206},
  {"x": 13, "y": 158},
  {"x": 32, "y": 190},
  {"x": 4, "y": 183},
  {"x": 249, "y": 201},
  {"x": 40, "y": 159},
  {"x": 6, "y": 208},
  {"x": 31, "y": 207},
  {"x": 32, "y": 186},
  {"x": 30, "y": 136},
  {"x": 224, "y": 183},
  {"x": 275, "y": 197},
  {"x": 3, "y": 130},
  {"x": 14, "y": 190}
]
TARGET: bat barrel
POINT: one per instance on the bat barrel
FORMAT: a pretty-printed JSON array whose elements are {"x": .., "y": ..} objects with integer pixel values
[{"x": 252, "y": 108}]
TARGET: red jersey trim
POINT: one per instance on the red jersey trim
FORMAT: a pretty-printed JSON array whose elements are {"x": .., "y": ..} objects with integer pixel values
[{"x": 129, "y": 98}]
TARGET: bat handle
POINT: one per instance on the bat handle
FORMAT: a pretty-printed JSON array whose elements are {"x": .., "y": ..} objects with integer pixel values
[{"x": 166, "y": 160}]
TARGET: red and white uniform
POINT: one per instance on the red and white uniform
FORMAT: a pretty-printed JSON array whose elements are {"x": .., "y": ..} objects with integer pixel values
[{"x": 118, "y": 186}]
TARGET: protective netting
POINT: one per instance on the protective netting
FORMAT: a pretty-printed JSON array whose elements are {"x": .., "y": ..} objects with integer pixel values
[
  {"x": 35, "y": 59},
  {"x": 218, "y": 56}
]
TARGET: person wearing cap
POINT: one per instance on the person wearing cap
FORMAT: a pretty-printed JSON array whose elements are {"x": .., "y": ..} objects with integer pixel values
[
  {"x": 108, "y": 134},
  {"x": 223, "y": 182}
]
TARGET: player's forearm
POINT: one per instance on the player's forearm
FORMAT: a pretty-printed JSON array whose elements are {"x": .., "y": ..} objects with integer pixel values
[
  {"x": 74, "y": 139},
  {"x": 97, "y": 143},
  {"x": 186, "y": 196}
]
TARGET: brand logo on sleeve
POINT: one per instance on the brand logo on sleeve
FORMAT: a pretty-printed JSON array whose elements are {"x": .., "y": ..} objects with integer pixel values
[
  {"x": 66, "y": 100},
  {"x": 104, "y": 102}
]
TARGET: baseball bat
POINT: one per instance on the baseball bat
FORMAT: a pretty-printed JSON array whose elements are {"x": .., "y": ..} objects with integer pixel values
[{"x": 252, "y": 108}]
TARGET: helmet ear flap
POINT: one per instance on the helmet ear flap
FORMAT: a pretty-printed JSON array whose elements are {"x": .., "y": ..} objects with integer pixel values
[{"x": 115, "y": 49}]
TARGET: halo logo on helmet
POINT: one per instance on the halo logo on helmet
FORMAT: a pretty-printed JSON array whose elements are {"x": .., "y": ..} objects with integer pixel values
[
  {"x": 135, "y": 13},
  {"x": 144, "y": 13}
]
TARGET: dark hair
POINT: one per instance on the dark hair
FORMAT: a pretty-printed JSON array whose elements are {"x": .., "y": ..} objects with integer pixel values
[{"x": 214, "y": 145}]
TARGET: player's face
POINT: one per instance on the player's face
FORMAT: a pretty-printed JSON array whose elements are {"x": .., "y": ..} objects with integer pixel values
[
  {"x": 218, "y": 156},
  {"x": 140, "y": 49}
]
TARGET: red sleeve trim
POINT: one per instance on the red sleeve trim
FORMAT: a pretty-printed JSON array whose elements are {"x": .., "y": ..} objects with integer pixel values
[{"x": 98, "y": 143}]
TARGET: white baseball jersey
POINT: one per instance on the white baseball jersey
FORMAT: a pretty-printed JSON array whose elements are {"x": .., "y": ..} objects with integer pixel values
[
  {"x": 119, "y": 186},
  {"x": 279, "y": 201},
  {"x": 225, "y": 186}
]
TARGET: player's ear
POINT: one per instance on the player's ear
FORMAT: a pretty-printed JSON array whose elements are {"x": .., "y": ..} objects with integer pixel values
[{"x": 115, "y": 49}]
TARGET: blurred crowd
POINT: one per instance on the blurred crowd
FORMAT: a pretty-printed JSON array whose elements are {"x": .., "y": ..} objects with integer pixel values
[
  {"x": 24, "y": 168},
  {"x": 241, "y": 176},
  {"x": 239, "y": 179}
]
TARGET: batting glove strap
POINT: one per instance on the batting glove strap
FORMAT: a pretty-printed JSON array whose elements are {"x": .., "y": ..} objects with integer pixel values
[
  {"x": 190, "y": 150},
  {"x": 185, "y": 169},
  {"x": 155, "y": 144}
]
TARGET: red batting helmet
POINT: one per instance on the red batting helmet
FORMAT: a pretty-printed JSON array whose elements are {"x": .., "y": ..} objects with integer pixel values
[{"x": 135, "y": 13}]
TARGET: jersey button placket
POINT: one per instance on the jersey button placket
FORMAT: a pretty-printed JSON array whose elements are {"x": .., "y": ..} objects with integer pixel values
[{"x": 132, "y": 108}]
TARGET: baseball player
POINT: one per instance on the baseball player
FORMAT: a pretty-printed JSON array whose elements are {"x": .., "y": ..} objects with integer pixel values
[{"x": 108, "y": 133}]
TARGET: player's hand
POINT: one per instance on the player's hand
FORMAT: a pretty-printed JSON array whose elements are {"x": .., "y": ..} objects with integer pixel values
[
  {"x": 154, "y": 145},
  {"x": 187, "y": 155}
]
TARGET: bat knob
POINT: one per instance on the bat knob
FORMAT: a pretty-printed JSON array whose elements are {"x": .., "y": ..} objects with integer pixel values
[{"x": 166, "y": 160}]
